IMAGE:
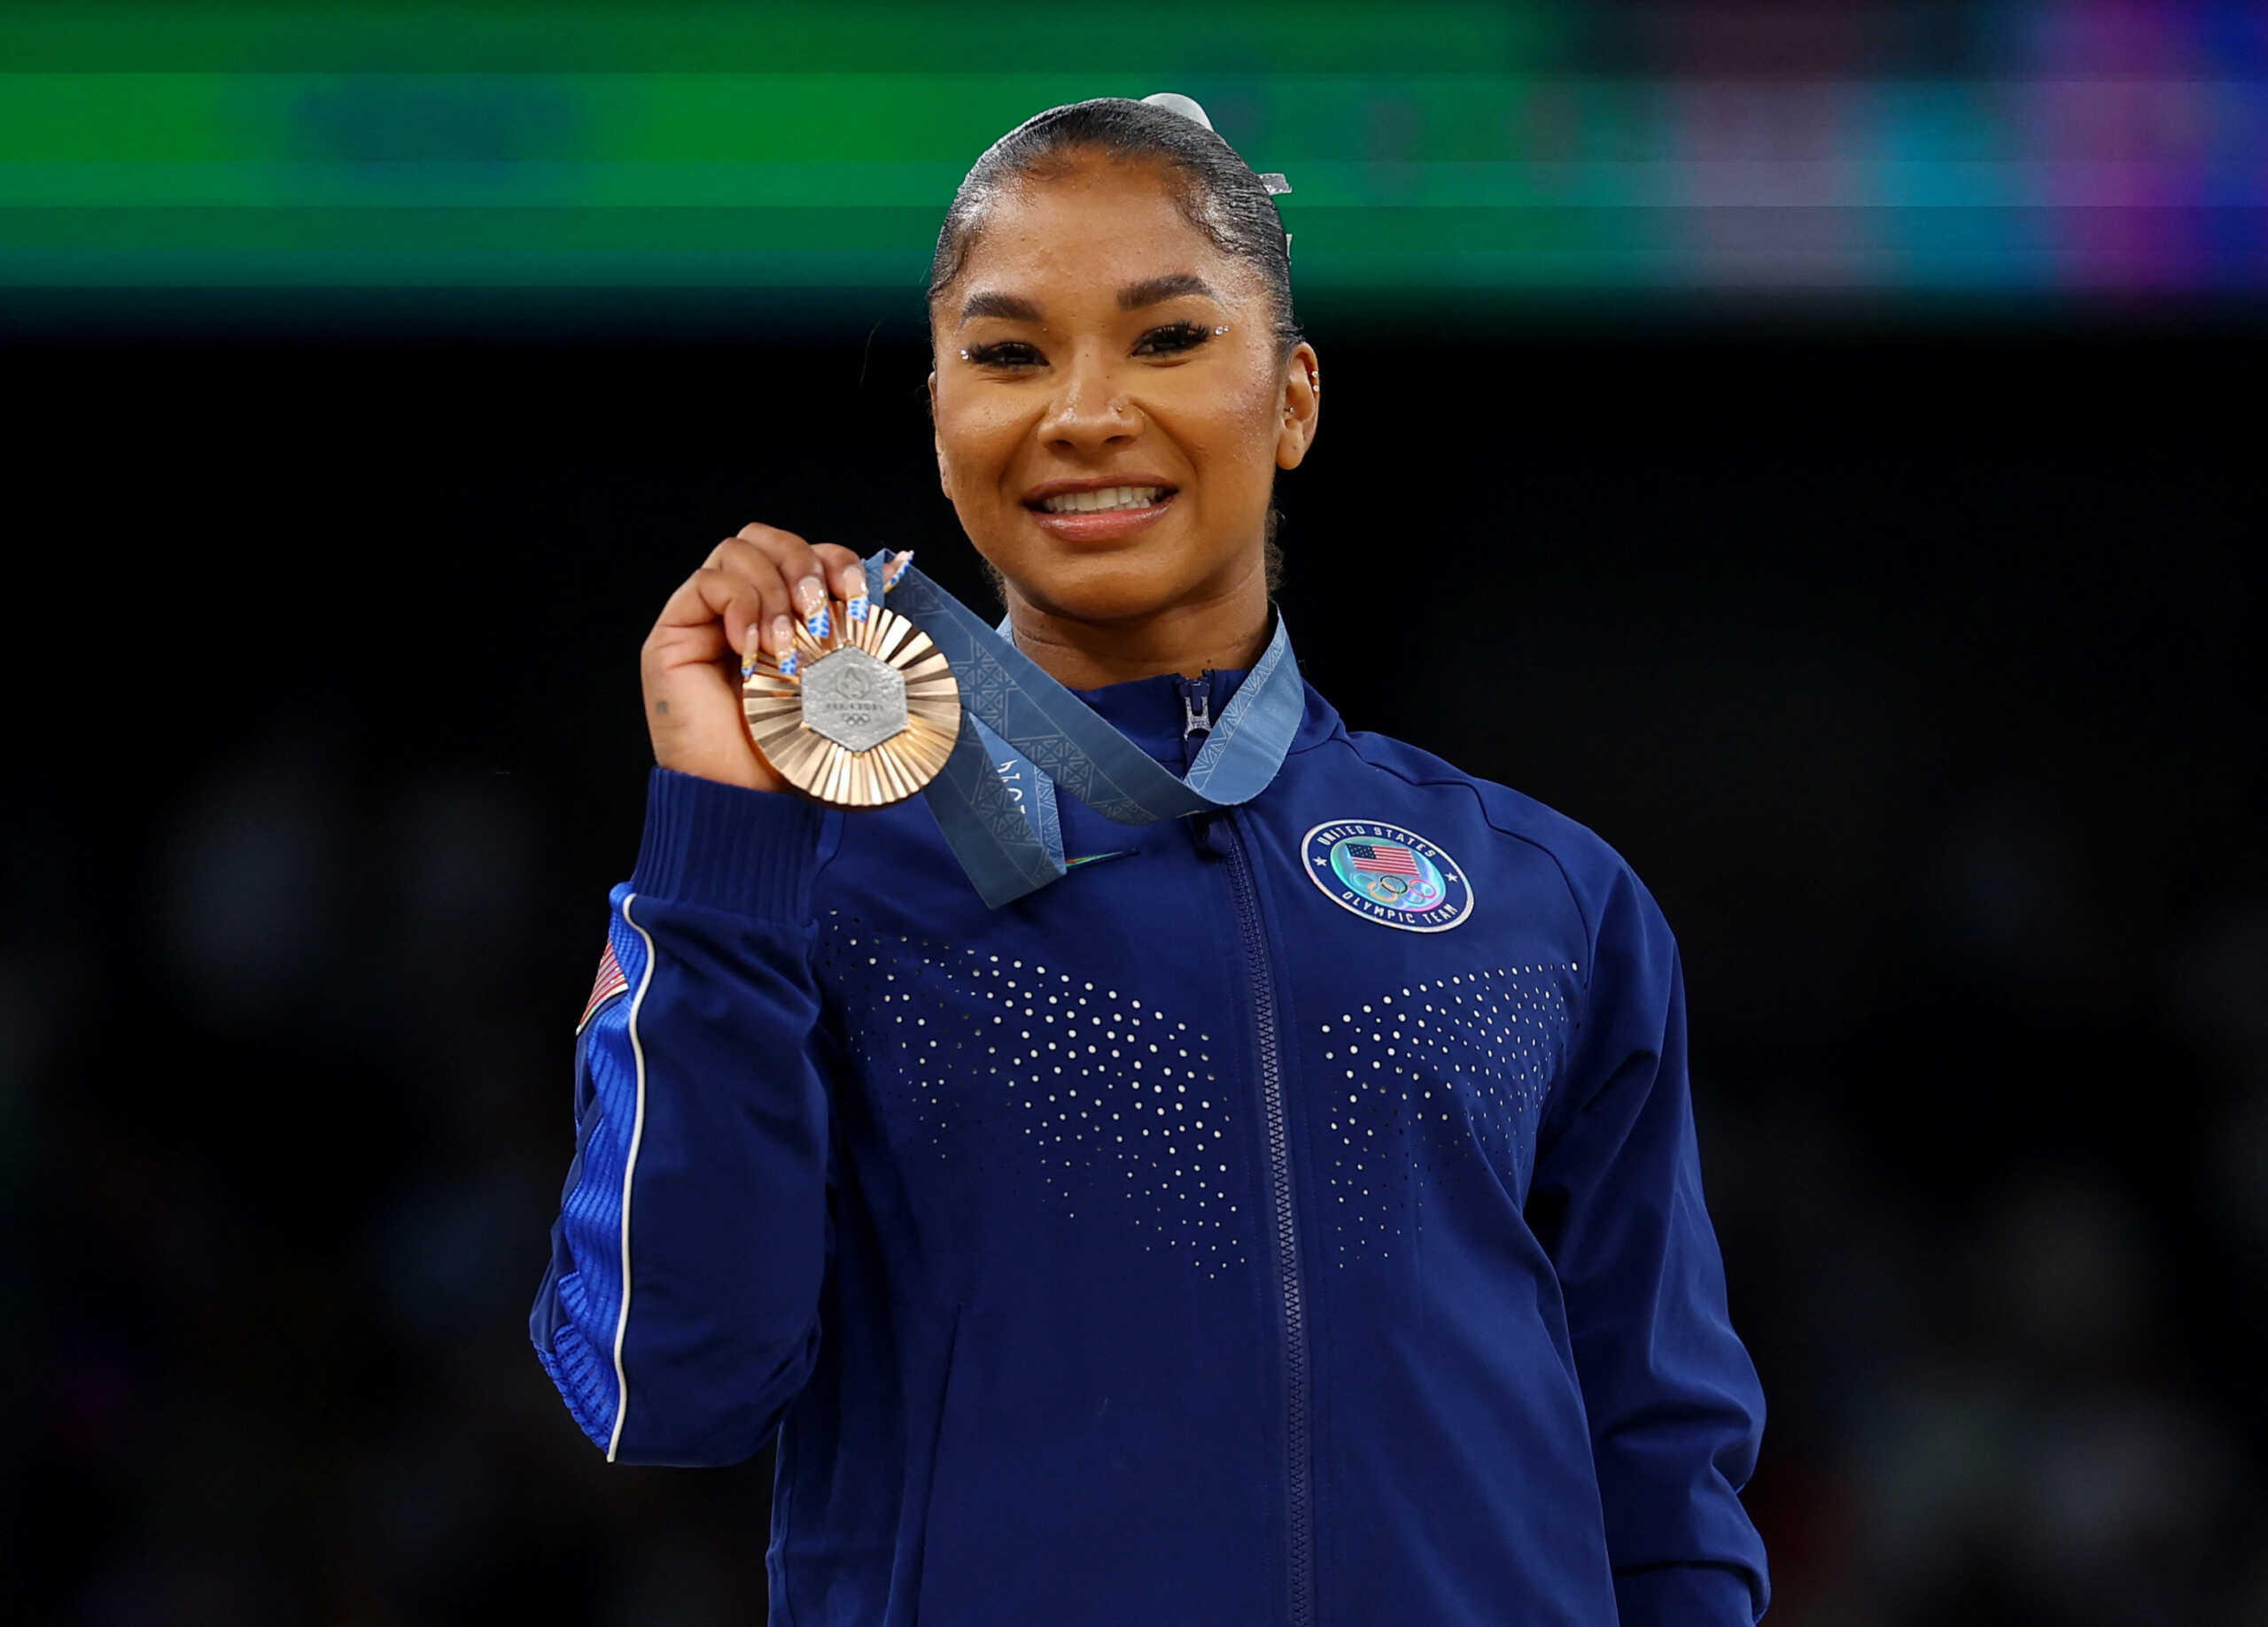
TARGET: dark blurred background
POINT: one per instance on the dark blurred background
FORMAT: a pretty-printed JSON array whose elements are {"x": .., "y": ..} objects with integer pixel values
[{"x": 1896, "y": 611}]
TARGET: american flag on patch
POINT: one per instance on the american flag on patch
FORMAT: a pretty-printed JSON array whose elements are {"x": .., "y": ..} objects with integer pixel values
[
  {"x": 609, "y": 983},
  {"x": 1383, "y": 858}
]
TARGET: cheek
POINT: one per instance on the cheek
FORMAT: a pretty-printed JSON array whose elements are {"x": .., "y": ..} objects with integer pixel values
[
  {"x": 979, "y": 437},
  {"x": 1254, "y": 404},
  {"x": 1235, "y": 439}
]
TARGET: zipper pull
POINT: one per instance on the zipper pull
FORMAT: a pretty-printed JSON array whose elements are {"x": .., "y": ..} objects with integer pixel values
[{"x": 1197, "y": 706}]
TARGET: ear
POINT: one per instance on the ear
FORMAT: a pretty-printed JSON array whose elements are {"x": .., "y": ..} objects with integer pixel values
[{"x": 1302, "y": 404}]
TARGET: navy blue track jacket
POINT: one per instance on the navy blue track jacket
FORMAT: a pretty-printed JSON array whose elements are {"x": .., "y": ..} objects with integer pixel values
[{"x": 1293, "y": 1217}]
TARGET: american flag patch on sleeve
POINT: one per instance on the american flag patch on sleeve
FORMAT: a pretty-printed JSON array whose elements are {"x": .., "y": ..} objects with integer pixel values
[{"x": 609, "y": 983}]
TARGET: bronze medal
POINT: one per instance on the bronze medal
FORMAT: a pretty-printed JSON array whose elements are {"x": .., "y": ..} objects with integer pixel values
[{"x": 863, "y": 715}]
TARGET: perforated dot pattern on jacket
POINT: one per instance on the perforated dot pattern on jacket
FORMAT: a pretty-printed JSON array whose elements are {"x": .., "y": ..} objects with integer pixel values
[
  {"x": 1111, "y": 1106},
  {"x": 1419, "y": 1081}
]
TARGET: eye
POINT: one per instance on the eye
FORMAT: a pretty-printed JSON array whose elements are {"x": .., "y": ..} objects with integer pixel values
[
  {"x": 1001, "y": 354},
  {"x": 1171, "y": 338}
]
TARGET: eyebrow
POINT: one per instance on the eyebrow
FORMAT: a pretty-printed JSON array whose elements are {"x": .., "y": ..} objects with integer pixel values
[{"x": 1133, "y": 297}]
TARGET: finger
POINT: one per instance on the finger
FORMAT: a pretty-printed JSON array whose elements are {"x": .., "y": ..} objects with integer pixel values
[
  {"x": 846, "y": 572},
  {"x": 717, "y": 609},
  {"x": 801, "y": 568},
  {"x": 772, "y": 565}
]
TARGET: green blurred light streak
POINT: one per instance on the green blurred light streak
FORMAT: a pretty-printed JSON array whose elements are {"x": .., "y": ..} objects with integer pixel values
[
  {"x": 350, "y": 118},
  {"x": 761, "y": 141},
  {"x": 757, "y": 188},
  {"x": 1161, "y": 37},
  {"x": 258, "y": 170}
]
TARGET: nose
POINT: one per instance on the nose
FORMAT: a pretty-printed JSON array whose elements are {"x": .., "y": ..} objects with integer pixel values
[{"x": 1088, "y": 412}]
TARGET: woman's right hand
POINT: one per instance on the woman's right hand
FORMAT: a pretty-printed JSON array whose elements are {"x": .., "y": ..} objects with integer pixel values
[{"x": 757, "y": 585}]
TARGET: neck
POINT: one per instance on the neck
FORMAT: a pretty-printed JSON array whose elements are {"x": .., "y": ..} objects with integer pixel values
[{"x": 1228, "y": 629}]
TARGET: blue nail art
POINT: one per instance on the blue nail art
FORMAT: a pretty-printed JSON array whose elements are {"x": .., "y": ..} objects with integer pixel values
[
  {"x": 747, "y": 667},
  {"x": 788, "y": 663},
  {"x": 858, "y": 609},
  {"x": 896, "y": 568},
  {"x": 819, "y": 623}
]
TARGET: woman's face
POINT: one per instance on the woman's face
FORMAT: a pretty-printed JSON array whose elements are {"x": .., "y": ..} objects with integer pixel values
[{"x": 1095, "y": 341}]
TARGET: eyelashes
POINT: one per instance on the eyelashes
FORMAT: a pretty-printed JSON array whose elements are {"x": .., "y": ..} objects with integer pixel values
[
  {"x": 1169, "y": 339},
  {"x": 1175, "y": 336}
]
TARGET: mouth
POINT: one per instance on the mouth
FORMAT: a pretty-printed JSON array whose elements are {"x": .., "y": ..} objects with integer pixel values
[
  {"x": 1106, "y": 499},
  {"x": 1099, "y": 514}
]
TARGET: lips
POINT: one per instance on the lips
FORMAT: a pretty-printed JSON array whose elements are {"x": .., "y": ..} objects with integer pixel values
[{"x": 1105, "y": 524}]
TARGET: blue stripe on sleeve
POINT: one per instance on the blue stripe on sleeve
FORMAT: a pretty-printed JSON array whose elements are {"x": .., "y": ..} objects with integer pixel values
[{"x": 580, "y": 1314}]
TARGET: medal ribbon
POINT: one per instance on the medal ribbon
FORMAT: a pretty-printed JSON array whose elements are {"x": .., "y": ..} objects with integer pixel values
[{"x": 1021, "y": 731}]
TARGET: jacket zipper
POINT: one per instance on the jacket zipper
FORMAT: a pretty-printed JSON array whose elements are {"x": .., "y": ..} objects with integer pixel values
[
  {"x": 1287, "y": 1240},
  {"x": 1197, "y": 712}
]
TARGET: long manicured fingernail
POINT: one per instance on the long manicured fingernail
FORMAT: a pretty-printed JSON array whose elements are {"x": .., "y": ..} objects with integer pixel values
[
  {"x": 783, "y": 634},
  {"x": 789, "y": 662},
  {"x": 811, "y": 598},
  {"x": 856, "y": 608},
  {"x": 896, "y": 568}
]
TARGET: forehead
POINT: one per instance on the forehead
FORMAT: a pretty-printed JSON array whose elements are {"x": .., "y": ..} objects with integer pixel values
[{"x": 1092, "y": 227}]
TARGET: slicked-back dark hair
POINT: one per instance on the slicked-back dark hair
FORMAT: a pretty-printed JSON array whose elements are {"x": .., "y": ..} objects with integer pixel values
[
  {"x": 1218, "y": 192},
  {"x": 1217, "y": 189}
]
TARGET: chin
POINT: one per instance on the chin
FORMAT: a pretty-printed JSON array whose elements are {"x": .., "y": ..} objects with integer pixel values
[
  {"x": 1138, "y": 578},
  {"x": 1093, "y": 584},
  {"x": 1094, "y": 587}
]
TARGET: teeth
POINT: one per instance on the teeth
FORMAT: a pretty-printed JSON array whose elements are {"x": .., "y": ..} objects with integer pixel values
[{"x": 1096, "y": 502}]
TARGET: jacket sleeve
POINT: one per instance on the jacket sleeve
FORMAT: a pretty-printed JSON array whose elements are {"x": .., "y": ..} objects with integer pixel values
[
  {"x": 679, "y": 1314},
  {"x": 1676, "y": 1413}
]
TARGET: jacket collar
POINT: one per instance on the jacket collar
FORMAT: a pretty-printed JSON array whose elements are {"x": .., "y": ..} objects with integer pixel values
[
  {"x": 1155, "y": 712},
  {"x": 1152, "y": 712}
]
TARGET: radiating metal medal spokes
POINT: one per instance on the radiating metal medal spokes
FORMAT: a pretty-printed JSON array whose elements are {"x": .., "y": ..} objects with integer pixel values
[{"x": 865, "y": 717}]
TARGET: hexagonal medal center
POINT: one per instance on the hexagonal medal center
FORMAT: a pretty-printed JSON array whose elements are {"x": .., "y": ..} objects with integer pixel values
[{"x": 854, "y": 699}]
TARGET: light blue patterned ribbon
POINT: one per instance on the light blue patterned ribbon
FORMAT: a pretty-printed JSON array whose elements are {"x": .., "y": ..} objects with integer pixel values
[{"x": 1023, "y": 734}]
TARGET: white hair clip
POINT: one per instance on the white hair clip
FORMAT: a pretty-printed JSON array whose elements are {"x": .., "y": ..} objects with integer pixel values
[{"x": 1174, "y": 101}]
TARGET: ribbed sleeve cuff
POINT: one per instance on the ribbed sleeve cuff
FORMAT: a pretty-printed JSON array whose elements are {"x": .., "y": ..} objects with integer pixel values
[
  {"x": 727, "y": 847},
  {"x": 1684, "y": 1596}
]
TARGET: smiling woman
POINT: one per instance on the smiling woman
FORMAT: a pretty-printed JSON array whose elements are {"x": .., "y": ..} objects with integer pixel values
[
  {"x": 1296, "y": 1218},
  {"x": 1110, "y": 309}
]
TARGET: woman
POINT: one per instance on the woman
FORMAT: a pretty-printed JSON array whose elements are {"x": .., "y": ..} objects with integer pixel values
[{"x": 1291, "y": 1214}]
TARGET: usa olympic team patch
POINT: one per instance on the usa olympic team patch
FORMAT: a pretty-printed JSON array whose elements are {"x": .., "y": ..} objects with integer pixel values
[{"x": 1387, "y": 874}]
